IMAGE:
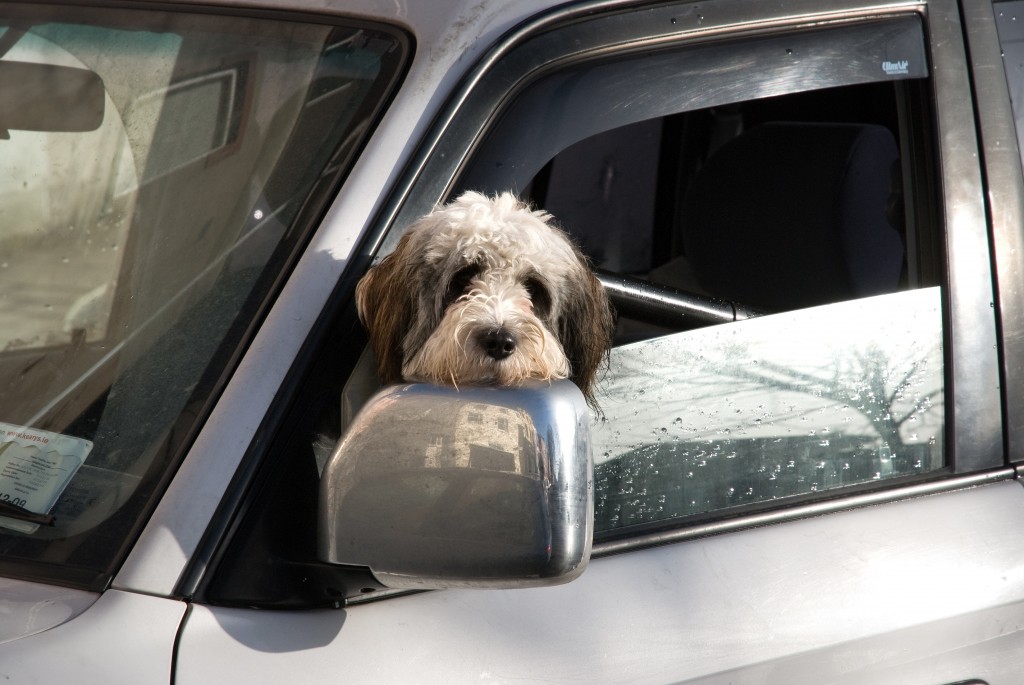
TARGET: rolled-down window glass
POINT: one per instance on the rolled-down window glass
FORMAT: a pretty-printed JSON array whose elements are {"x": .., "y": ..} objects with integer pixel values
[
  {"x": 159, "y": 171},
  {"x": 770, "y": 408}
]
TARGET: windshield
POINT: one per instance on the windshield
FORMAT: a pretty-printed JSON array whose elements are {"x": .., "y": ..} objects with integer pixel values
[{"x": 158, "y": 173}]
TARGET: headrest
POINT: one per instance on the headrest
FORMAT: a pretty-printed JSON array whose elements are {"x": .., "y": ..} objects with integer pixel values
[{"x": 791, "y": 215}]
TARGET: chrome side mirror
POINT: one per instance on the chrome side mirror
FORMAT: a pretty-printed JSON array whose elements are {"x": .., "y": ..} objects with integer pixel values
[{"x": 435, "y": 487}]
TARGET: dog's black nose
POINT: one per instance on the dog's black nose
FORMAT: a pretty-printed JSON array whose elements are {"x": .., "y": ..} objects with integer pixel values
[{"x": 497, "y": 343}]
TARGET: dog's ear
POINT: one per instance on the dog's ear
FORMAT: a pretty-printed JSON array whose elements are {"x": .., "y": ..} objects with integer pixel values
[
  {"x": 385, "y": 305},
  {"x": 586, "y": 328}
]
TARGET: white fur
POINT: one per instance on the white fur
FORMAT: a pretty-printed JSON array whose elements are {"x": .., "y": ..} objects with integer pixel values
[
  {"x": 451, "y": 355},
  {"x": 485, "y": 264}
]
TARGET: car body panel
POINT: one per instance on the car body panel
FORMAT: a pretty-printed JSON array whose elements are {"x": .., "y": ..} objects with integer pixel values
[
  {"x": 899, "y": 584},
  {"x": 123, "y": 638},
  {"x": 30, "y": 608}
]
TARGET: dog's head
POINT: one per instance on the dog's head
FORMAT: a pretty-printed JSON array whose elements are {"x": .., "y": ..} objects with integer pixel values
[{"x": 486, "y": 290}]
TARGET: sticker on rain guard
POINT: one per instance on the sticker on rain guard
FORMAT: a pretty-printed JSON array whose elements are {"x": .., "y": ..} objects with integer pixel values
[{"x": 35, "y": 467}]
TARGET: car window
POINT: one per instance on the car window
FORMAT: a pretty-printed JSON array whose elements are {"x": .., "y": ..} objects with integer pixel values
[
  {"x": 838, "y": 383},
  {"x": 159, "y": 172},
  {"x": 769, "y": 408},
  {"x": 790, "y": 200}
]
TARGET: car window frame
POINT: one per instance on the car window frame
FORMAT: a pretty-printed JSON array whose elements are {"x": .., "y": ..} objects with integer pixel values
[
  {"x": 974, "y": 412},
  {"x": 1004, "y": 181},
  {"x": 974, "y": 418}
]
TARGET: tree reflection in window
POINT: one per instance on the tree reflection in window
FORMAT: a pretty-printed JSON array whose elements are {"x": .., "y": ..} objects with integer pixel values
[{"x": 770, "y": 408}]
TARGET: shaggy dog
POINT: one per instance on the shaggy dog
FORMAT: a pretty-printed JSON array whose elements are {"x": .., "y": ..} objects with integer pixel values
[{"x": 485, "y": 290}]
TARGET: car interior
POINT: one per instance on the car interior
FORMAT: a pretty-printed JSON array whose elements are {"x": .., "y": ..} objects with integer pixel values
[{"x": 756, "y": 207}]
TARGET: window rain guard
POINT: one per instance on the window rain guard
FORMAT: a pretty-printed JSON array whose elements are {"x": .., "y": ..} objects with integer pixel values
[{"x": 599, "y": 95}]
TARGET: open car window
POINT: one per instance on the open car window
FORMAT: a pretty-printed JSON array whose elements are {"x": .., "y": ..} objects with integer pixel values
[{"x": 775, "y": 181}]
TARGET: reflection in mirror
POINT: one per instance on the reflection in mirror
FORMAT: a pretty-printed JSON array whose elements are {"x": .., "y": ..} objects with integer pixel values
[
  {"x": 769, "y": 408},
  {"x": 475, "y": 486}
]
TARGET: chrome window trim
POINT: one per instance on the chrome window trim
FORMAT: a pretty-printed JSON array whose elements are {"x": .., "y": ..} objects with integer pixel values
[
  {"x": 682, "y": 532},
  {"x": 974, "y": 427}
]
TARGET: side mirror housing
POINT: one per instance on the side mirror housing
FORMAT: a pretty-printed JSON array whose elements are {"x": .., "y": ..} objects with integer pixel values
[{"x": 435, "y": 487}]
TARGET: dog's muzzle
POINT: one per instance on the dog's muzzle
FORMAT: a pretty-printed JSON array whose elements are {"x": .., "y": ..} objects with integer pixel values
[{"x": 497, "y": 343}]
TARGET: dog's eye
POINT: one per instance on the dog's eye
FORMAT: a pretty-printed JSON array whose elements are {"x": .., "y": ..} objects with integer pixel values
[
  {"x": 459, "y": 284},
  {"x": 539, "y": 296}
]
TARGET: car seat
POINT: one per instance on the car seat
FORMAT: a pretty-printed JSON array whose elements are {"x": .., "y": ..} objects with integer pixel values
[{"x": 792, "y": 215}]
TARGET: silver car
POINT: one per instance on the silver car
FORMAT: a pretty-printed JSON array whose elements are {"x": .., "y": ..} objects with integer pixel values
[{"x": 804, "y": 469}]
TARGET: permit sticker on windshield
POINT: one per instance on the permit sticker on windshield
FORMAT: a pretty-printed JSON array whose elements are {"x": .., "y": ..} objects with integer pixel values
[{"x": 35, "y": 467}]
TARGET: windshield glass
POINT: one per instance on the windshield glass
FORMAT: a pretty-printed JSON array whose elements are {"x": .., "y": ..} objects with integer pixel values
[{"x": 158, "y": 172}]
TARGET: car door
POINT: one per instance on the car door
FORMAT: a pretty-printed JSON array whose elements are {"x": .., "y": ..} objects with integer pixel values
[{"x": 800, "y": 473}]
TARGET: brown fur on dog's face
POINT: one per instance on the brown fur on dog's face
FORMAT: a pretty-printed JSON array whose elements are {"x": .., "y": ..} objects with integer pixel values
[{"x": 479, "y": 269}]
